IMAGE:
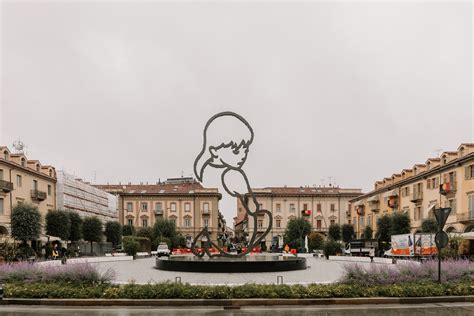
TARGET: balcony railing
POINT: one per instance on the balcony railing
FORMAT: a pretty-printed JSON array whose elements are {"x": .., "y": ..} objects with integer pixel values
[
  {"x": 6, "y": 186},
  {"x": 465, "y": 217},
  {"x": 38, "y": 195},
  {"x": 206, "y": 212},
  {"x": 447, "y": 188},
  {"x": 158, "y": 212},
  {"x": 416, "y": 196}
]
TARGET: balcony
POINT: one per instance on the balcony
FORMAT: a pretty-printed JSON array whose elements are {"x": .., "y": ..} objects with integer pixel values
[
  {"x": 465, "y": 217},
  {"x": 206, "y": 213},
  {"x": 320, "y": 229},
  {"x": 6, "y": 186},
  {"x": 448, "y": 188},
  {"x": 38, "y": 195},
  {"x": 417, "y": 196},
  {"x": 158, "y": 212}
]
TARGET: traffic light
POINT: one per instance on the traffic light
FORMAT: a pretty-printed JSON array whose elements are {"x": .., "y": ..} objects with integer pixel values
[{"x": 306, "y": 212}]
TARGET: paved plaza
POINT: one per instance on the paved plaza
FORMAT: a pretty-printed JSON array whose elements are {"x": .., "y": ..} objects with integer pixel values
[{"x": 143, "y": 271}]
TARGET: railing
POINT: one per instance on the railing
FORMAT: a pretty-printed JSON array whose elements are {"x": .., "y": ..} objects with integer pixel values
[
  {"x": 38, "y": 195},
  {"x": 158, "y": 212},
  {"x": 448, "y": 187},
  {"x": 206, "y": 212},
  {"x": 6, "y": 186},
  {"x": 416, "y": 196}
]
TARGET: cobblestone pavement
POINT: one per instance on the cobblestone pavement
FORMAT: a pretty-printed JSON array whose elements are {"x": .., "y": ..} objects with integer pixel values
[
  {"x": 452, "y": 309},
  {"x": 143, "y": 271}
]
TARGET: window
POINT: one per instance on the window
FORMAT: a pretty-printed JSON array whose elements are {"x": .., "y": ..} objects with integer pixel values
[
  {"x": 405, "y": 191},
  {"x": 369, "y": 220},
  {"x": 35, "y": 185},
  {"x": 333, "y": 207},
  {"x": 469, "y": 172},
  {"x": 318, "y": 207},
  {"x": 354, "y": 221},
  {"x": 187, "y": 222},
  {"x": 23, "y": 162},
  {"x": 158, "y": 207},
  {"x": 144, "y": 207},
  {"x": 305, "y": 207},
  {"x": 49, "y": 189},
  {"x": 1, "y": 174},
  {"x": 260, "y": 223},
  {"x": 278, "y": 223},
  {"x": 173, "y": 207},
  {"x": 187, "y": 207},
  {"x": 470, "y": 203},
  {"x": 332, "y": 222},
  {"x": 50, "y": 172},
  {"x": 318, "y": 224},
  {"x": 417, "y": 214},
  {"x": 278, "y": 207},
  {"x": 452, "y": 205},
  {"x": 206, "y": 222},
  {"x": 292, "y": 207},
  {"x": 173, "y": 220},
  {"x": 38, "y": 167},
  {"x": 130, "y": 222},
  {"x": 205, "y": 207},
  {"x": 129, "y": 207},
  {"x": 18, "y": 181},
  {"x": 1, "y": 207},
  {"x": 144, "y": 222},
  {"x": 361, "y": 220},
  {"x": 5, "y": 155},
  {"x": 260, "y": 206}
]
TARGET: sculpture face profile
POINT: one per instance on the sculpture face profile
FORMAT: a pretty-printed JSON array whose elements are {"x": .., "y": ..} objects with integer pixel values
[{"x": 228, "y": 151}]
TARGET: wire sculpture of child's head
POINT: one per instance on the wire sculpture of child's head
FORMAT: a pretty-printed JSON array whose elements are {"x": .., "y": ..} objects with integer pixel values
[{"x": 226, "y": 140}]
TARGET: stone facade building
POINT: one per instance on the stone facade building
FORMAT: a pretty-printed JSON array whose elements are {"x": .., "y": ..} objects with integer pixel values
[
  {"x": 24, "y": 181},
  {"x": 417, "y": 192},
  {"x": 182, "y": 200},
  {"x": 326, "y": 206}
]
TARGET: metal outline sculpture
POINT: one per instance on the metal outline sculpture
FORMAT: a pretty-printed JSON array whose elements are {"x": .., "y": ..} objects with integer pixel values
[{"x": 254, "y": 240}]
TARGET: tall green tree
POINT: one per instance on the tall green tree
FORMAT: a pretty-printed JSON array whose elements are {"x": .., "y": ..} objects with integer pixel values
[
  {"x": 347, "y": 232},
  {"x": 25, "y": 222},
  {"x": 368, "y": 232},
  {"x": 146, "y": 232},
  {"x": 335, "y": 232},
  {"x": 128, "y": 230},
  {"x": 296, "y": 230},
  {"x": 113, "y": 232},
  {"x": 315, "y": 241},
  {"x": 429, "y": 225},
  {"x": 58, "y": 223},
  {"x": 384, "y": 224},
  {"x": 399, "y": 223},
  {"x": 75, "y": 233},
  {"x": 92, "y": 230},
  {"x": 164, "y": 230}
]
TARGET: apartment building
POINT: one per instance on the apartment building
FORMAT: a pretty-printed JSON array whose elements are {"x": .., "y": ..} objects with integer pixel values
[
  {"x": 24, "y": 181},
  {"x": 446, "y": 181},
  {"x": 182, "y": 200},
  {"x": 81, "y": 197},
  {"x": 321, "y": 206}
]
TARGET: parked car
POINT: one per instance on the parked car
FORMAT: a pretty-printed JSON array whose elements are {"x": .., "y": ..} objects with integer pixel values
[{"x": 163, "y": 250}]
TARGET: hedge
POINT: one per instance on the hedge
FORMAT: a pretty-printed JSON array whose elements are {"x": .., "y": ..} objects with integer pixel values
[{"x": 170, "y": 290}]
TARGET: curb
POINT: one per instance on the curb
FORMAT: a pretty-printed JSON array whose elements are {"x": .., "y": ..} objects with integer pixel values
[{"x": 237, "y": 302}]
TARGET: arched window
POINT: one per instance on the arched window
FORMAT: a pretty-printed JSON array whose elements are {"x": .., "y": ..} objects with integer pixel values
[
  {"x": 50, "y": 172},
  {"x": 23, "y": 161},
  {"x": 38, "y": 167},
  {"x": 5, "y": 155}
]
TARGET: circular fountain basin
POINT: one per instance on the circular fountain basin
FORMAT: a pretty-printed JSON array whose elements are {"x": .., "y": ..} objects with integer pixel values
[{"x": 222, "y": 264}]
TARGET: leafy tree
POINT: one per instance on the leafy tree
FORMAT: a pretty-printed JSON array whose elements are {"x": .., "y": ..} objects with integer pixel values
[
  {"x": 315, "y": 241},
  {"x": 25, "y": 222},
  {"x": 92, "y": 230},
  {"x": 429, "y": 225},
  {"x": 347, "y": 232},
  {"x": 113, "y": 232},
  {"x": 128, "y": 230},
  {"x": 368, "y": 232},
  {"x": 399, "y": 223},
  {"x": 384, "y": 225},
  {"x": 335, "y": 232},
  {"x": 131, "y": 246},
  {"x": 75, "y": 233},
  {"x": 8, "y": 248},
  {"x": 296, "y": 230},
  {"x": 164, "y": 228},
  {"x": 146, "y": 232},
  {"x": 58, "y": 224},
  {"x": 331, "y": 248}
]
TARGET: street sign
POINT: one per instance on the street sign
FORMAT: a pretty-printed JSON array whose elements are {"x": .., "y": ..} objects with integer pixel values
[
  {"x": 441, "y": 239},
  {"x": 441, "y": 215}
]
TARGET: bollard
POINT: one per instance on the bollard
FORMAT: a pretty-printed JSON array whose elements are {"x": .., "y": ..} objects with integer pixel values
[
  {"x": 279, "y": 279},
  {"x": 177, "y": 279}
]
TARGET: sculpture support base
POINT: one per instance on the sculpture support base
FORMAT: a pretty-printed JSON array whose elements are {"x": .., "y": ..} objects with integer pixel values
[{"x": 229, "y": 265}]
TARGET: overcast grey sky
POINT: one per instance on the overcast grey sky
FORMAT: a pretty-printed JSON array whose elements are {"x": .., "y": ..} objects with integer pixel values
[{"x": 355, "y": 91}]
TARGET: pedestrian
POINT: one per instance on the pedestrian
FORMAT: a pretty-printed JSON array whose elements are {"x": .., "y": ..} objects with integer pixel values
[
  {"x": 371, "y": 254},
  {"x": 55, "y": 253}
]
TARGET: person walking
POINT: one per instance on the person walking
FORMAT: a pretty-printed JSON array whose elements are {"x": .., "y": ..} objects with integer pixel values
[{"x": 371, "y": 254}]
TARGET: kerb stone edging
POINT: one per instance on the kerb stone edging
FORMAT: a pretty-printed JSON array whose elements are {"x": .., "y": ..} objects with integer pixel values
[{"x": 237, "y": 302}]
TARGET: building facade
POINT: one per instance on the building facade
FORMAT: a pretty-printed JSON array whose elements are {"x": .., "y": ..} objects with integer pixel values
[
  {"x": 81, "y": 197},
  {"x": 183, "y": 200},
  {"x": 323, "y": 205},
  {"x": 417, "y": 191},
  {"x": 24, "y": 181}
]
